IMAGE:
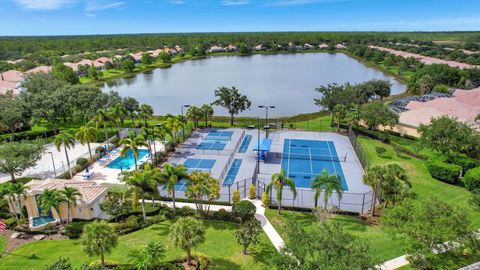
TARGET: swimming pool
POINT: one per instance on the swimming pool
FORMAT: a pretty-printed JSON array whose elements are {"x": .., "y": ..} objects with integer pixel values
[
  {"x": 128, "y": 161},
  {"x": 41, "y": 221},
  {"x": 303, "y": 160},
  {"x": 245, "y": 143},
  {"x": 232, "y": 172}
]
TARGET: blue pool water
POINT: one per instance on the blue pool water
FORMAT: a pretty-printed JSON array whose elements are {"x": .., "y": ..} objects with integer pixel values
[
  {"x": 128, "y": 161},
  {"x": 245, "y": 143},
  {"x": 302, "y": 160},
  {"x": 232, "y": 172},
  {"x": 219, "y": 135},
  {"x": 39, "y": 221},
  {"x": 212, "y": 145}
]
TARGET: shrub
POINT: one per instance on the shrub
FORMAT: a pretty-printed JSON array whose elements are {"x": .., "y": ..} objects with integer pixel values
[
  {"x": 157, "y": 219},
  {"x": 60, "y": 264},
  {"x": 185, "y": 211},
  {"x": 383, "y": 137},
  {"x": 472, "y": 179},
  {"x": 442, "y": 171},
  {"x": 203, "y": 262},
  {"x": 100, "y": 150},
  {"x": 11, "y": 222},
  {"x": 235, "y": 197},
  {"x": 74, "y": 229},
  {"x": 265, "y": 199},
  {"x": 463, "y": 161},
  {"x": 252, "y": 192},
  {"x": 115, "y": 141},
  {"x": 244, "y": 210},
  {"x": 82, "y": 162},
  {"x": 222, "y": 213},
  {"x": 380, "y": 150},
  {"x": 78, "y": 168}
]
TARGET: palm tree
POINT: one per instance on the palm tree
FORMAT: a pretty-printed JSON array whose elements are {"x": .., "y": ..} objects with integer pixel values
[
  {"x": 12, "y": 191},
  {"x": 328, "y": 183},
  {"x": 194, "y": 114},
  {"x": 86, "y": 135},
  {"x": 132, "y": 143},
  {"x": 103, "y": 118},
  {"x": 279, "y": 180},
  {"x": 148, "y": 256},
  {"x": 340, "y": 111},
  {"x": 140, "y": 183},
  {"x": 207, "y": 111},
  {"x": 118, "y": 114},
  {"x": 145, "y": 113},
  {"x": 395, "y": 185},
  {"x": 201, "y": 186},
  {"x": 170, "y": 176},
  {"x": 174, "y": 124},
  {"x": 68, "y": 141},
  {"x": 373, "y": 177},
  {"x": 97, "y": 239},
  {"x": 352, "y": 118},
  {"x": 18, "y": 190},
  {"x": 187, "y": 233},
  {"x": 70, "y": 195},
  {"x": 51, "y": 198}
]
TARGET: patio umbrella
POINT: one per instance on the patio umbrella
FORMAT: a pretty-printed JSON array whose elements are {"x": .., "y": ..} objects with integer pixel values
[{"x": 86, "y": 169}]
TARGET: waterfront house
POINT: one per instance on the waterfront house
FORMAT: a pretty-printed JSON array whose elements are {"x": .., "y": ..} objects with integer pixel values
[
  {"x": 215, "y": 49},
  {"x": 231, "y": 48},
  {"x": 260, "y": 47},
  {"x": 178, "y": 48},
  {"x": 340, "y": 47},
  {"x": 308, "y": 46},
  {"x": 88, "y": 203},
  {"x": 323, "y": 46}
]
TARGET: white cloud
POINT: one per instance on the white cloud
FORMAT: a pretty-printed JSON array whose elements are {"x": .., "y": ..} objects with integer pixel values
[
  {"x": 90, "y": 15},
  {"x": 44, "y": 4},
  {"x": 177, "y": 2},
  {"x": 302, "y": 2},
  {"x": 102, "y": 5},
  {"x": 235, "y": 2}
]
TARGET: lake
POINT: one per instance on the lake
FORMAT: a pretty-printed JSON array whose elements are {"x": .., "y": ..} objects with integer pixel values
[{"x": 284, "y": 80}]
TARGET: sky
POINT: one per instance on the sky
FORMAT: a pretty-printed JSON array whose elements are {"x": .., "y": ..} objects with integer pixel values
[{"x": 81, "y": 17}]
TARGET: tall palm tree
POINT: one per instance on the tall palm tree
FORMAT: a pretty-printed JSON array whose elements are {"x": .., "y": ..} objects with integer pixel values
[
  {"x": 118, "y": 114},
  {"x": 86, "y": 135},
  {"x": 187, "y": 233},
  {"x": 328, "y": 183},
  {"x": 174, "y": 124},
  {"x": 145, "y": 113},
  {"x": 395, "y": 185},
  {"x": 279, "y": 180},
  {"x": 70, "y": 195},
  {"x": 352, "y": 118},
  {"x": 13, "y": 191},
  {"x": 374, "y": 177},
  {"x": 194, "y": 114},
  {"x": 140, "y": 184},
  {"x": 97, "y": 239},
  {"x": 207, "y": 111},
  {"x": 340, "y": 111},
  {"x": 132, "y": 143},
  {"x": 67, "y": 141},
  {"x": 170, "y": 175},
  {"x": 51, "y": 198},
  {"x": 102, "y": 118},
  {"x": 19, "y": 191}
]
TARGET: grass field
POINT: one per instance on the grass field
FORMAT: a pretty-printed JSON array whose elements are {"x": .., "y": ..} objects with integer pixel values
[
  {"x": 3, "y": 243},
  {"x": 220, "y": 246}
]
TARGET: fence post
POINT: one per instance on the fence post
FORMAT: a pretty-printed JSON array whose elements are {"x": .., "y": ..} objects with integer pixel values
[
  {"x": 245, "y": 188},
  {"x": 363, "y": 202},
  {"x": 229, "y": 195}
]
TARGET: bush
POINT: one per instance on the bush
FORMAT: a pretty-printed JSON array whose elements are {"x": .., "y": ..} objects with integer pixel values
[
  {"x": 472, "y": 179},
  {"x": 74, "y": 229},
  {"x": 115, "y": 141},
  {"x": 444, "y": 172},
  {"x": 265, "y": 200},
  {"x": 100, "y": 150},
  {"x": 82, "y": 162},
  {"x": 11, "y": 222},
  {"x": 380, "y": 150},
  {"x": 203, "y": 261},
  {"x": 252, "y": 192},
  {"x": 244, "y": 210},
  {"x": 235, "y": 196},
  {"x": 383, "y": 137},
  {"x": 463, "y": 161},
  {"x": 60, "y": 264}
]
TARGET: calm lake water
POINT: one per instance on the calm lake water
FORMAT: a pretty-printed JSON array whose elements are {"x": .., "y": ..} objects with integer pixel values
[{"x": 284, "y": 80}]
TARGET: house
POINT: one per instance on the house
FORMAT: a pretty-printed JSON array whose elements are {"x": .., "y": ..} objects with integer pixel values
[
  {"x": 231, "y": 48},
  {"x": 88, "y": 203},
  {"x": 178, "y": 48},
  {"x": 11, "y": 81},
  {"x": 137, "y": 57},
  {"x": 215, "y": 49},
  {"x": 260, "y": 47},
  {"x": 44, "y": 69},
  {"x": 308, "y": 46},
  {"x": 340, "y": 47},
  {"x": 323, "y": 46},
  {"x": 100, "y": 62},
  {"x": 74, "y": 66}
]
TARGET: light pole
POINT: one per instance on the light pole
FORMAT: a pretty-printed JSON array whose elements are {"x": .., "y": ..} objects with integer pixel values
[
  {"x": 53, "y": 163},
  {"x": 183, "y": 126},
  {"x": 258, "y": 147},
  {"x": 266, "y": 111}
]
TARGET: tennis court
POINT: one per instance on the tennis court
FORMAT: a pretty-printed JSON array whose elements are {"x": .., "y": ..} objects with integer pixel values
[
  {"x": 232, "y": 172},
  {"x": 219, "y": 135},
  {"x": 302, "y": 160},
  {"x": 212, "y": 145},
  {"x": 194, "y": 164}
]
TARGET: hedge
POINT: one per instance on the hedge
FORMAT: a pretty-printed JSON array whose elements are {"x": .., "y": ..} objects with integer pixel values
[
  {"x": 444, "y": 172},
  {"x": 472, "y": 179},
  {"x": 463, "y": 161},
  {"x": 28, "y": 135}
]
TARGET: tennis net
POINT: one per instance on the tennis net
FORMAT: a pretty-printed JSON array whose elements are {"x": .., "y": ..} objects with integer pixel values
[
  {"x": 314, "y": 157},
  {"x": 218, "y": 138}
]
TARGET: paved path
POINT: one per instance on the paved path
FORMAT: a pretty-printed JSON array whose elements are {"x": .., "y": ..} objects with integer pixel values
[{"x": 395, "y": 263}]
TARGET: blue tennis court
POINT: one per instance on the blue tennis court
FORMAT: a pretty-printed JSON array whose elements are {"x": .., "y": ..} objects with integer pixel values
[
  {"x": 194, "y": 164},
  {"x": 219, "y": 135},
  {"x": 212, "y": 145},
  {"x": 302, "y": 160},
  {"x": 245, "y": 143},
  {"x": 232, "y": 172}
]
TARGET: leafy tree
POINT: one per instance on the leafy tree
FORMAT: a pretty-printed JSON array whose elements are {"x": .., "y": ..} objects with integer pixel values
[
  {"x": 15, "y": 113},
  {"x": 115, "y": 205},
  {"x": 448, "y": 135},
  {"x": 60, "y": 264},
  {"x": 141, "y": 183},
  {"x": 394, "y": 184},
  {"x": 194, "y": 114},
  {"x": 70, "y": 195},
  {"x": 428, "y": 225},
  {"x": 340, "y": 112},
  {"x": 248, "y": 233},
  {"x": 328, "y": 183},
  {"x": 325, "y": 245},
  {"x": 94, "y": 73},
  {"x": 147, "y": 59},
  {"x": 117, "y": 114},
  {"x": 380, "y": 88},
  {"x": 170, "y": 176},
  {"x": 376, "y": 113},
  {"x": 98, "y": 239},
  {"x": 68, "y": 141},
  {"x": 15, "y": 192},
  {"x": 87, "y": 134},
  {"x": 201, "y": 186},
  {"x": 166, "y": 57},
  {"x": 128, "y": 65},
  {"x": 174, "y": 124},
  {"x": 426, "y": 84},
  {"x": 145, "y": 113},
  {"x": 232, "y": 100},
  {"x": 132, "y": 143},
  {"x": 334, "y": 94},
  {"x": 103, "y": 118},
  {"x": 207, "y": 112},
  {"x": 16, "y": 157},
  {"x": 65, "y": 73},
  {"x": 132, "y": 106},
  {"x": 279, "y": 180},
  {"x": 51, "y": 199},
  {"x": 187, "y": 233},
  {"x": 244, "y": 209},
  {"x": 148, "y": 256}
]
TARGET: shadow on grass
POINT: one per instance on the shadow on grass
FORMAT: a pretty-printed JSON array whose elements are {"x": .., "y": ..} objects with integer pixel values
[
  {"x": 223, "y": 264},
  {"x": 220, "y": 224},
  {"x": 263, "y": 253}
]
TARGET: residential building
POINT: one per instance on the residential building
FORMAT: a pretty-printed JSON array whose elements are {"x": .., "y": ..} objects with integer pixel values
[
  {"x": 308, "y": 46},
  {"x": 215, "y": 49},
  {"x": 231, "y": 48},
  {"x": 11, "y": 81},
  {"x": 323, "y": 46},
  {"x": 44, "y": 69}
]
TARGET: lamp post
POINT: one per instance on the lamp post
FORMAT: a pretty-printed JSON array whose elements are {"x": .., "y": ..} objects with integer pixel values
[
  {"x": 266, "y": 111},
  {"x": 258, "y": 146},
  {"x": 183, "y": 126},
  {"x": 53, "y": 163}
]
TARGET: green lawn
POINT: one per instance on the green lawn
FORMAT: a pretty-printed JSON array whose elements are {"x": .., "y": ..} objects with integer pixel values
[
  {"x": 3, "y": 243},
  {"x": 220, "y": 246}
]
